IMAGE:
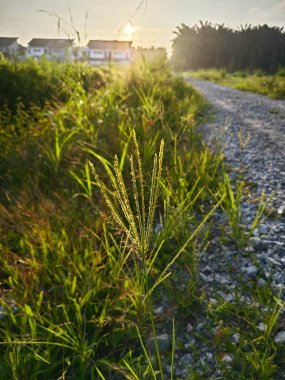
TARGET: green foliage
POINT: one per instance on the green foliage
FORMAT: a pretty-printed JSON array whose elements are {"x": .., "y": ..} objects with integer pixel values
[
  {"x": 79, "y": 274},
  {"x": 232, "y": 207},
  {"x": 74, "y": 283},
  {"x": 254, "y": 355},
  {"x": 36, "y": 82},
  {"x": 253, "y": 48},
  {"x": 139, "y": 221}
]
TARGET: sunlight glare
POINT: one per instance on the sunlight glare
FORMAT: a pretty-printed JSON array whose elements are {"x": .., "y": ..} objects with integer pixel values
[{"x": 129, "y": 30}]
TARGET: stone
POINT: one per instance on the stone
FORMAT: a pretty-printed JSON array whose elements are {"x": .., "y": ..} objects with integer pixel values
[
  {"x": 282, "y": 260},
  {"x": 207, "y": 271},
  {"x": 255, "y": 232},
  {"x": 213, "y": 301},
  {"x": 267, "y": 275},
  {"x": 236, "y": 338},
  {"x": 262, "y": 326},
  {"x": 158, "y": 228},
  {"x": 163, "y": 343},
  {"x": 278, "y": 277},
  {"x": 249, "y": 249},
  {"x": 200, "y": 326},
  {"x": 255, "y": 241},
  {"x": 251, "y": 271},
  {"x": 279, "y": 290},
  {"x": 263, "y": 230},
  {"x": 177, "y": 372},
  {"x": 186, "y": 360},
  {"x": 280, "y": 337},
  {"x": 159, "y": 310},
  {"x": 168, "y": 369},
  {"x": 261, "y": 282},
  {"x": 274, "y": 262},
  {"x": 209, "y": 356},
  {"x": 222, "y": 279},
  {"x": 205, "y": 278},
  {"x": 189, "y": 327},
  {"x": 229, "y": 256}
]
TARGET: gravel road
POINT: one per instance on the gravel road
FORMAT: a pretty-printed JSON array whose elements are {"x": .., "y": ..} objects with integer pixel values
[
  {"x": 265, "y": 117},
  {"x": 260, "y": 158},
  {"x": 226, "y": 272},
  {"x": 264, "y": 120}
]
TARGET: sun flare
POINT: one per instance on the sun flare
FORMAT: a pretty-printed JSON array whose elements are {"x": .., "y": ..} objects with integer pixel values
[{"x": 129, "y": 30}]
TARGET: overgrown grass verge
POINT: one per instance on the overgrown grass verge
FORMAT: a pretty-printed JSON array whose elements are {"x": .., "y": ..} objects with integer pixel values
[
  {"x": 269, "y": 85},
  {"x": 107, "y": 190},
  {"x": 75, "y": 286}
]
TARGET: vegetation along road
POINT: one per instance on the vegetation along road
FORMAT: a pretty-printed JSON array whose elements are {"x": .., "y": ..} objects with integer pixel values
[{"x": 119, "y": 263}]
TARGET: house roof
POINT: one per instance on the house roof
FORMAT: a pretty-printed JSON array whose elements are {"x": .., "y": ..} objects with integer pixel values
[
  {"x": 54, "y": 43},
  {"x": 6, "y": 41},
  {"x": 109, "y": 45}
]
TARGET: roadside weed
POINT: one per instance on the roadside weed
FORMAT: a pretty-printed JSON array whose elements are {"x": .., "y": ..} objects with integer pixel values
[
  {"x": 140, "y": 220},
  {"x": 231, "y": 205}
]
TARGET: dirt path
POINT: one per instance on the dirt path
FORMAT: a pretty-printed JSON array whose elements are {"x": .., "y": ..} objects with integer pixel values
[
  {"x": 237, "y": 112},
  {"x": 264, "y": 116},
  {"x": 230, "y": 276}
]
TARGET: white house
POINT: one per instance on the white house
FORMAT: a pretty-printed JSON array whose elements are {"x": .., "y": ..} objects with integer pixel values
[
  {"x": 10, "y": 47},
  {"x": 56, "y": 48},
  {"x": 100, "y": 52}
]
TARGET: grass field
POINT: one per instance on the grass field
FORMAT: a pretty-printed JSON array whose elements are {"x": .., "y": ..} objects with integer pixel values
[
  {"x": 107, "y": 190},
  {"x": 269, "y": 85}
]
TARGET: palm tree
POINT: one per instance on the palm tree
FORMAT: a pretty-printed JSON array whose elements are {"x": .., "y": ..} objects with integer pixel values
[{"x": 205, "y": 45}]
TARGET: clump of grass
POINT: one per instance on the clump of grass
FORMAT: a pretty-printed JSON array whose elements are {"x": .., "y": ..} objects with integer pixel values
[
  {"x": 93, "y": 282},
  {"x": 255, "y": 353},
  {"x": 139, "y": 225},
  {"x": 231, "y": 205}
]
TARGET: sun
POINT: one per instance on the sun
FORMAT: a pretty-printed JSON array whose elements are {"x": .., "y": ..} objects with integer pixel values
[{"x": 129, "y": 30}]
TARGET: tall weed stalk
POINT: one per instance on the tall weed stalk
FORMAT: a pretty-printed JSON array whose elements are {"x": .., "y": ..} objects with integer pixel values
[{"x": 136, "y": 222}]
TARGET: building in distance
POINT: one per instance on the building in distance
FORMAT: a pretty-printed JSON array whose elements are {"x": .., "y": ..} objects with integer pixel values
[
  {"x": 57, "y": 49},
  {"x": 10, "y": 47},
  {"x": 99, "y": 52}
]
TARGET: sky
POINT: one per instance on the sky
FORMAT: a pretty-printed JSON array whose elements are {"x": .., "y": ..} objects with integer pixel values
[{"x": 154, "y": 22}]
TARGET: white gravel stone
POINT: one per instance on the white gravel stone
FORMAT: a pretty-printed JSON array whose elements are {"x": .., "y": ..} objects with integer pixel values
[
  {"x": 236, "y": 338},
  {"x": 162, "y": 342},
  {"x": 262, "y": 326},
  {"x": 280, "y": 337}
]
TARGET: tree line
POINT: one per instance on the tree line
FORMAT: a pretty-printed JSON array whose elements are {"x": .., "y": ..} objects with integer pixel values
[{"x": 206, "y": 45}]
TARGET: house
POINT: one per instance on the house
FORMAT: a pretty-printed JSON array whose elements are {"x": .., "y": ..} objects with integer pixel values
[
  {"x": 56, "y": 49},
  {"x": 10, "y": 47},
  {"x": 100, "y": 52}
]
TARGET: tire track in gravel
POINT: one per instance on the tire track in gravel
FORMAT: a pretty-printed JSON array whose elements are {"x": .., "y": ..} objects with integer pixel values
[
  {"x": 264, "y": 116},
  {"x": 228, "y": 274},
  {"x": 261, "y": 117}
]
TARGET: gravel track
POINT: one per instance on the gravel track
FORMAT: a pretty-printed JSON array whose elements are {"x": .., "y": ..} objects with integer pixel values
[
  {"x": 264, "y": 119},
  {"x": 261, "y": 118},
  {"x": 226, "y": 272}
]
